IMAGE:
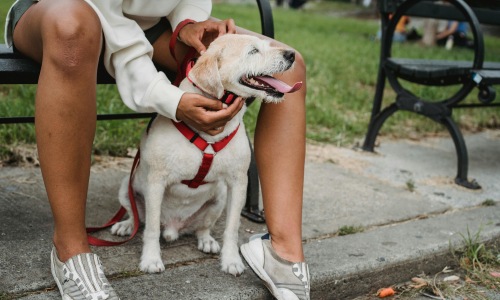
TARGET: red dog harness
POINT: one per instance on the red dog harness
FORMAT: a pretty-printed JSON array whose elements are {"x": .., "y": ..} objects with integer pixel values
[
  {"x": 199, "y": 142},
  {"x": 206, "y": 162}
]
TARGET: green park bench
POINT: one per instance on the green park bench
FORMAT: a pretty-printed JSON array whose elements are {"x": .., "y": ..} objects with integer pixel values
[{"x": 466, "y": 75}]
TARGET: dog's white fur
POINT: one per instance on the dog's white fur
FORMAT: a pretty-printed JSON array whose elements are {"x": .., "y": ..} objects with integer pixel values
[{"x": 167, "y": 158}]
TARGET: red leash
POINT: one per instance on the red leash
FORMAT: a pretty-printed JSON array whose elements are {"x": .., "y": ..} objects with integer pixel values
[
  {"x": 119, "y": 215},
  {"x": 122, "y": 211}
]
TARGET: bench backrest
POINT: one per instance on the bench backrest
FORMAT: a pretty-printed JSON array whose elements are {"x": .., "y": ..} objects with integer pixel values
[
  {"x": 486, "y": 11},
  {"x": 17, "y": 69}
]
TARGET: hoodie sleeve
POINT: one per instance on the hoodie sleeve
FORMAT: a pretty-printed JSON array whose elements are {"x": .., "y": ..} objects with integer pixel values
[
  {"x": 128, "y": 58},
  {"x": 197, "y": 10}
]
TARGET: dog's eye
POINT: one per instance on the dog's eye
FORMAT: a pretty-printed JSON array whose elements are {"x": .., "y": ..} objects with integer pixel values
[{"x": 253, "y": 51}]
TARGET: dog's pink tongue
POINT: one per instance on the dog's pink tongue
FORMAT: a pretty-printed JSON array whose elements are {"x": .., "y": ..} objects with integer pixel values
[{"x": 280, "y": 85}]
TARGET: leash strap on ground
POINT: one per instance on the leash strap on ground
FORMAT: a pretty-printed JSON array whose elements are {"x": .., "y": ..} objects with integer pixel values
[{"x": 119, "y": 215}]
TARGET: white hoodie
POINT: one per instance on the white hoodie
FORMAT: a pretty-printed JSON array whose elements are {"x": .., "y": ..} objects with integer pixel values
[{"x": 128, "y": 53}]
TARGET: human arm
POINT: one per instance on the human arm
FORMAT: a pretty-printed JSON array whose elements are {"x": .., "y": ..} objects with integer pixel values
[
  {"x": 128, "y": 54},
  {"x": 128, "y": 58},
  {"x": 448, "y": 31}
]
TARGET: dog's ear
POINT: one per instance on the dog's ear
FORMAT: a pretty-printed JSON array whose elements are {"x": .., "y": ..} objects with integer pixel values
[{"x": 205, "y": 74}]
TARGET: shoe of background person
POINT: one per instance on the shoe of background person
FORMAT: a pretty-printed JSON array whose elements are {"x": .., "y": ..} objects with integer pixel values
[
  {"x": 81, "y": 278},
  {"x": 285, "y": 280}
]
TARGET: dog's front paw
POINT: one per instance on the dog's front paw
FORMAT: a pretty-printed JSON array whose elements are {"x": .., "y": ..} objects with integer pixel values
[
  {"x": 152, "y": 265},
  {"x": 123, "y": 228},
  {"x": 232, "y": 265},
  {"x": 208, "y": 244}
]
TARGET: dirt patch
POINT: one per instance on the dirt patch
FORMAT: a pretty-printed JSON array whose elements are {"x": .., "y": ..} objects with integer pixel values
[
  {"x": 26, "y": 155},
  {"x": 20, "y": 156},
  {"x": 327, "y": 153}
]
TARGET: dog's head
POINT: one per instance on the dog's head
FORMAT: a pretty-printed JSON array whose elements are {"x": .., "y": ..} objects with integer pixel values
[{"x": 244, "y": 65}]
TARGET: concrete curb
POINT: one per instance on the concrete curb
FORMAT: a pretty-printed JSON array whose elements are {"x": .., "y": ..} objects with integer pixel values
[{"x": 406, "y": 232}]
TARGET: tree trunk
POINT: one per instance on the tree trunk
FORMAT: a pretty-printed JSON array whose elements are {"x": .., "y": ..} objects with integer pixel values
[{"x": 430, "y": 31}]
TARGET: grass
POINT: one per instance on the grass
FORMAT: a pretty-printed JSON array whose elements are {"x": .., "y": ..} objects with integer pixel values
[
  {"x": 488, "y": 202},
  {"x": 410, "y": 185},
  {"x": 474, "y": 278},
  {"x": 342, "y": 62},
  {"x": 348, "y": 229}
]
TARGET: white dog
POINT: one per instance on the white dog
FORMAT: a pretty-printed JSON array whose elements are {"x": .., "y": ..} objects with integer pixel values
[{"x": 243, "y": 65}]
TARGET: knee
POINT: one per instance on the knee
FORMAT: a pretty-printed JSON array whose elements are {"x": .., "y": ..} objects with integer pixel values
[
  {"x": 300, "y": 65},
  {"x": 72, "y": 36},
  {"x": 298, "y": 73}
]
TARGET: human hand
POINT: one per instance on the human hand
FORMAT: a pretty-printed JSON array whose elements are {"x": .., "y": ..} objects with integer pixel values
[
  {"x": 199, "y": 34},
  {"x": 207, "y": 115}
]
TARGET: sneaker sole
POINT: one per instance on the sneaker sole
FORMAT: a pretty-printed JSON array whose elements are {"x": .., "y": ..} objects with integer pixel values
[{"x": 259, "y": 271}]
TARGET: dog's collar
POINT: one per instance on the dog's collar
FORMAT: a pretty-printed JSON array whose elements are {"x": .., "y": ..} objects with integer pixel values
[
  {"x": 228, "y": 97},
  {"x": 201, "y": 144}
]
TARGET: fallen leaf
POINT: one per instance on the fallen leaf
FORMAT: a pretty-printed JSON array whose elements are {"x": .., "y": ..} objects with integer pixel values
[
  {"x": 385, "y": 292},
  {"x": 451, "y": 278},
  {"x": 418, "y": 286},
  {"x": 447, "y": 270},
  {"x": 419, "y": 283},
  {"x": 419, "y": 280},
  {"x": 495, "y": 274}
]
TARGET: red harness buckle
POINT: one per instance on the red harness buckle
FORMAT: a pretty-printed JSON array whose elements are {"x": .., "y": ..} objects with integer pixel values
[{"x": 201, "y": 144}]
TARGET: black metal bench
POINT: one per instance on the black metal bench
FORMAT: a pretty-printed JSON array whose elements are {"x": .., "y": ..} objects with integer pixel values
[
  {"x": 467, "y": 75},
  {"x": 17, "y": 69}
]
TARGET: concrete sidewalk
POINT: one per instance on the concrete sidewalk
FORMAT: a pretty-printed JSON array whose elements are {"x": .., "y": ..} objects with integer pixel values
[{"x": 406, "y": 233}]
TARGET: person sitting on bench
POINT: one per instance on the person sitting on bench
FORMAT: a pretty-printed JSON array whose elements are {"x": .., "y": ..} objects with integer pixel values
[{"x": 67, "y": 37}]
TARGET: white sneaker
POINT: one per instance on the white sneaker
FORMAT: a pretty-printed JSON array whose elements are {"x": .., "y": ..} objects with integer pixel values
[
  {"x": 284, "y": 279},
  {"x": 81, "y": 278}
]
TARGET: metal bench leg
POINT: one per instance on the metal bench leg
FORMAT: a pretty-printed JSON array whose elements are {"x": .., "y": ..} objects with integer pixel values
[
  {"x": 372, "y": 132},
  {"x": 375, "y": 125},
  {"x": 251, "y": 210},
  {"x": 462, "y": 156}
]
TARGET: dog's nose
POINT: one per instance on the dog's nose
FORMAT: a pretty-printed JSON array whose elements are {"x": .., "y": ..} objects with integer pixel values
[{"x": 289, "y": 55}]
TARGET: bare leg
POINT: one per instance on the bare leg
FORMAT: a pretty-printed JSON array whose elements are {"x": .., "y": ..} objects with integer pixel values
[
  {"x": 280, "y": 156},
  {"x": 65, "y": 36}
]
